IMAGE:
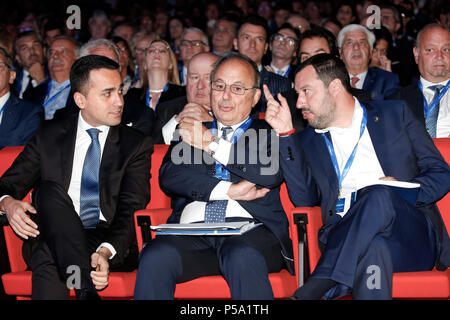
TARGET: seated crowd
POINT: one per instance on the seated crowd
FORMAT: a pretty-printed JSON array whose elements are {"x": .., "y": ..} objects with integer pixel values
[{"x": 327, "y": 97}]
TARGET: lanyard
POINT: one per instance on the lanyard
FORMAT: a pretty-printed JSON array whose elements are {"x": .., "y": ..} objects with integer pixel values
[
  {"x": 427, "y": 108},
  {"x": 53, "y": 97},
  {"x": 148, "y": 97},
  {"x": 3, "y": 107},
  {"x": 348, "y": 164},
  {"x": 221, "y": 172}
]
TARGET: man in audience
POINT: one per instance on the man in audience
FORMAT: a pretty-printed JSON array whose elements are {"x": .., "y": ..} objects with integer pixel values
[
  {"x": 429, "y": 98},
  {"x": 54, "y": 93},
  {"x": 196, "y": 103},
  {"x": 19, "y": 119},
  {"x": 343, "y": 163},
  {"x": 193, "y": 41},
  {"x": 222, "y": 188},
  {"x": 89, "y": 177},
  {"x": 284, "y": 48},
  {"x": 252, "y": 42},
  {"x": 355, "y": 44},
  {"x": 29, "y": 53},
  {"x": 224, "y": 32}
]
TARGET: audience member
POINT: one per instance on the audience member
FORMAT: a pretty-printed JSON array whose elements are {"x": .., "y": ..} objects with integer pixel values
[
  {"x": 284, "y": 48},
  {"x": 223, "y": 34},
  {"x": 193, "y": 41}
]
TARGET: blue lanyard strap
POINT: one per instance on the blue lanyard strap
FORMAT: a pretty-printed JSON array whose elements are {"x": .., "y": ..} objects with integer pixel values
[
  {"x": 427, "y": 108},
  {"x": 3, "y": 107},
  {"x": 221, "y": 172},
  {"x": 48, "y": 100},
  {"x": 348, "y": 164}
]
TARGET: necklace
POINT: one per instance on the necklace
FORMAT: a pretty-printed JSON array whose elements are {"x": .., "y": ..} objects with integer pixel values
[{"x": 156, "y": 91}]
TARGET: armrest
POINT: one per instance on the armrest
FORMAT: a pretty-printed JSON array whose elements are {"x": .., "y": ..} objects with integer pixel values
[
  {"x": 304, "y": 226},
  {"x": 143, "y": 219}
]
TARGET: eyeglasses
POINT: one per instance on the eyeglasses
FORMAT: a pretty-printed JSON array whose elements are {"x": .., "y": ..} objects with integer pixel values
[
  {"x": 192, "y": 43},
  {"x": 4, "y": 67},
  {"x": 236, "y": 89},
  {"x": 282, "y": 38}
]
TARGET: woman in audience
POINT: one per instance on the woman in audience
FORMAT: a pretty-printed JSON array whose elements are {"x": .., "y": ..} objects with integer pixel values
[{"x": 383, "y": 42}]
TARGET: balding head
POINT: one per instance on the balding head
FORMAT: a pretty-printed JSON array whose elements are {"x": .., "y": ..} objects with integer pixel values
[{"x": 198, "y": 76}]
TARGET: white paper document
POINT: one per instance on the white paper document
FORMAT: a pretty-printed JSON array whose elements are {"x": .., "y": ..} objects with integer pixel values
[{"x": 200, "y": 229}]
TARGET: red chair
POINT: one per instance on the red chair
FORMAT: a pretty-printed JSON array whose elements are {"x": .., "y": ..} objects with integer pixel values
[
  {"x": 210, "y": 287},
  {"x": 121, "y": 284},
  {"x": 406, "y": 285}
]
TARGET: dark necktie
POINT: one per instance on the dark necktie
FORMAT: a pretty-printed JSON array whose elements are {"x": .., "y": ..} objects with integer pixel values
[
  {"x": 215, "y": 210},
  {"x": 89, "y": 194},
  {"x": 431, "y": 120}
]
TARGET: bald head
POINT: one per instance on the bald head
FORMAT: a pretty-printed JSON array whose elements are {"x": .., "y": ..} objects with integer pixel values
[{"x": 197, "y": 82}]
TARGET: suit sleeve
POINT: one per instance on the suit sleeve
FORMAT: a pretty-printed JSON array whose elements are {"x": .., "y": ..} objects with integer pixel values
[
  {"x": 31, "y": 123},
  {"x": 134, "y": 195}
]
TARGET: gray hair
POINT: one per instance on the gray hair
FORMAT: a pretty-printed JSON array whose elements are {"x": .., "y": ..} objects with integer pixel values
[
  {"x": 100, "y": 14},
  {"x": 68, "y": 38},
  {"x": 194, "y": 29},
  {"x": 88, "y": 46},
  {"x": 353, "y": 27}
]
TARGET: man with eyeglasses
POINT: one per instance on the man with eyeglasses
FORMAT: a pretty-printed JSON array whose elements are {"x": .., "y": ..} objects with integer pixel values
[
  {"x": 19, "y": 119},
  {"x": 224, "y": 186},
  {"x": 193, "y": 41},
  {"x": 284, "y": 47},
  {"x": 224, "y": 32},
  {"x": 54, "y": 93},
  {"x": 252, "y": 41}
]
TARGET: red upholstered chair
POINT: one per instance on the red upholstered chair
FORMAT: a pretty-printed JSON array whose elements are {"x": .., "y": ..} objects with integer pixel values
[
  {"x": 211, "y": 287},
  {"x": 121, "y": 284},
  {"x": 406, "y": 285}
]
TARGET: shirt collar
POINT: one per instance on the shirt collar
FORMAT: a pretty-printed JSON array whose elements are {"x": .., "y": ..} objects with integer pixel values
[
  {"x": 4, "y": 98},
  {"x": 426, "y": 83},
  {"x": 284, "y": 69},
  {"x": 234, "y": 127},
  {"x": 356, "y": 121},
  {"x": 83, "y": 125}
]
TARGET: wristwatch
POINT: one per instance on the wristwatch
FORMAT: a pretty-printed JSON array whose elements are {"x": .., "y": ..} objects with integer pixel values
[{"x": 213, "y": 146}]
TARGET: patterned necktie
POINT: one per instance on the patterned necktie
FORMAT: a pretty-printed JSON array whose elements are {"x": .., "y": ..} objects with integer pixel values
[
  {"x": 354, "y": 81},
  {"x": 89, "y": 193},
  {"x": 215, "y": 210},
  {"x": 431, "y": 120}
]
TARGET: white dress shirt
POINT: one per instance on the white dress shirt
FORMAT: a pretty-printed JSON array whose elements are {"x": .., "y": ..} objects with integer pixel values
[
  {"x": 3, "y": 100},
  {"x": 195, "y": 211},
  {"x": 361, "y": 77},
  {"x": 365, "y": 168},
  {"x": 443, "y": 122},
  {"x": 82, "y": 143}
]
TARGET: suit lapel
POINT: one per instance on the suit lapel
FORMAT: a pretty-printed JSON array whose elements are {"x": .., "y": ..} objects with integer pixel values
[
  {"x": 368, "y": 81},
  {"x": 10, "y": 115},
  {"x": 66, "y": 141}
]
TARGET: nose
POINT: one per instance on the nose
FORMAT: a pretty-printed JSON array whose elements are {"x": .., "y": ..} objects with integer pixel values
[
  {"x": 301, "y": 101},
  {"x": 201, "y": 84},
  {"x": 227, "y": 93},
  {"x": 356, "y": 45}
]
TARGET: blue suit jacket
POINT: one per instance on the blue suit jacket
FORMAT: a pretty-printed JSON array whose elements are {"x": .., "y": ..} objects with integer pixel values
[
  {"x": 403, "y": 147},
  {"x": 276, "y": 84},
  {"x": 19, "y": 122},
  {"x": 380, "y": 83},
  {"x": 194, "y": 180}
]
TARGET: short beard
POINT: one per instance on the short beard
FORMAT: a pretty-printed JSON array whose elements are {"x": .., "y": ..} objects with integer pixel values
[{"x": 327, "y": 115}]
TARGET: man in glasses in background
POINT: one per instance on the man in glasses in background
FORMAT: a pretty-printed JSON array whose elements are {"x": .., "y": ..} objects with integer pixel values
[
  {"x": 223, "y": 185},
  {"x": 193, "y": 41},
  {"x": 284, "y": 47}
]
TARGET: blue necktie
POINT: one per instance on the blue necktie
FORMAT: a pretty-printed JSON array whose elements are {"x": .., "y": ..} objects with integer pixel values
[
  {"x": 89, "y": 194},
  {"x": 431, "y": 120},
  {"x": 215, "y": 210}
]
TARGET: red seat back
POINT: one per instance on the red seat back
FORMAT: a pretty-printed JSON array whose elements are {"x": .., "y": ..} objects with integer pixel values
[
  {"x": 158, "y": 198},
  {"x": 443, "y": 144}
]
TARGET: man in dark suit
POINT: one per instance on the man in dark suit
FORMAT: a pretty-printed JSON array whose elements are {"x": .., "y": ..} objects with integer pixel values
[
  {"x": 340, "y": 162},
  {"x": 429, "y": 97},
  {"x": 89, "y": 176},
  {"x": 19, "y": 119},
  {"x": 196, "y": 103},
  {"x": 355, "y": 44},
  {"x": 29, "y": 53},
  {"x": 224, "y": 186},
  {"x": 252, "y": 41},
  {"x": 54, "y": 93}
]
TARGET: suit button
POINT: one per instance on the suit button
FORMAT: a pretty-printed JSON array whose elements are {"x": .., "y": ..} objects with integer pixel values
[{"x": 330, "y": 212}]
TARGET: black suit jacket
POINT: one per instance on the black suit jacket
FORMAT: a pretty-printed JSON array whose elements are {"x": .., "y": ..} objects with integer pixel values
[
  {"x": 193, "y": 180},
  {"x": 20, "y": 121},
  {"x": 166, "y": 111},
  {"x": 276, "y": 84},
  {"x": 414, "y": 99},
  {"x": 124, "y": 173}
]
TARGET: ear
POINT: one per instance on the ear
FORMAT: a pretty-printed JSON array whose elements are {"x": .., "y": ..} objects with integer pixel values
[
  {"x": 80, "y": 100},
  {"x": 335, "y": 87},
  {"x": 266, "y": 47},
  {"x": 12, "y": 76},
  {"x": 416, "y": 54},
  {"x": 235, "y": 44},
  {"x": 256, "y": 97}
]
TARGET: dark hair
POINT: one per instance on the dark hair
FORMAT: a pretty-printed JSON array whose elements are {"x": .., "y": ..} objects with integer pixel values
[
  {"x": 237, "y": 56},
  {"x": 328, "y": 67},
  {"x": 9, "y": 60},
  {"x": 81, "y": 69},
  {"x": 383, "y": 34},
  {"x": 26, "y": 34},
  {"x": 257, "y": 21},
  {"x": 320, "y": 32}
]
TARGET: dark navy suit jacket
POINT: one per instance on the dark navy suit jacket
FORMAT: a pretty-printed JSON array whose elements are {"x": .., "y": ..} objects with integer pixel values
[
  {"x": 194, "y": 180},
  {"x": 20, "y": 121},
  {"x": 276, "y": 84},
  {"x": 403, "y": 147},
  {"x": 380, "y": 83}
]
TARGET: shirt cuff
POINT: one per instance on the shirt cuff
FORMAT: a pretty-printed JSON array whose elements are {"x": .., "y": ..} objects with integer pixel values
[
  {"x": 169, "y": 129},
  {"x": 220, "y": 191},
  {"x": 222, "y": 154},
  {"x": 1, "y": 198},
  {"x": 108, "y": 246}
]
